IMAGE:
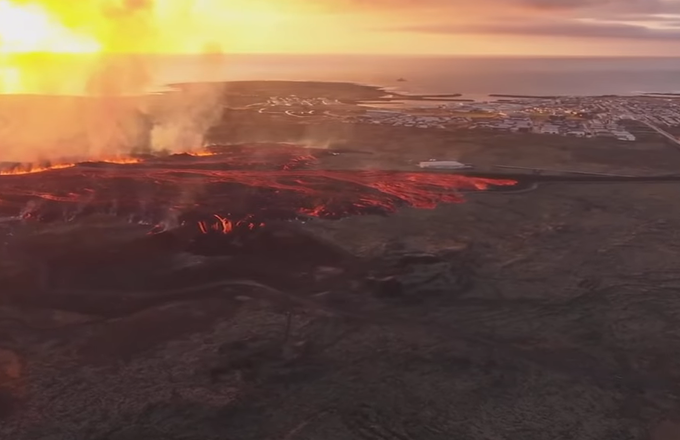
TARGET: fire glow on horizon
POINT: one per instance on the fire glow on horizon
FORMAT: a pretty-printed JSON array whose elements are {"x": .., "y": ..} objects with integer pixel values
[
  {"x": 131, "y": 26},
  {"x": 31, "y": 169},
  {"x": 78, "y": 76},
  {"x": 36, "y": 34}
]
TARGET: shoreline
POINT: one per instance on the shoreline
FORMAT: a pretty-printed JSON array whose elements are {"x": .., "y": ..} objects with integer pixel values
[
  {"x": 361, "y": 93},
  {"x": 377, "y": 92},
  {"x": 662, "y": 93},
  {"x": 506, "y": 95},
  {"x": 356, "y": 93},
  {"x": 351, "y": 92}
]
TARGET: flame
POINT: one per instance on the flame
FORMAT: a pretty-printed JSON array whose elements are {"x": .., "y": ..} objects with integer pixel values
[
  {"x": 226, "y": 226},
  {"x": 32, "y": 169},
  {"x": 35, "y": 169},
  {"x": 121, "y": 160},
  {"x": 202, "y": 153}
]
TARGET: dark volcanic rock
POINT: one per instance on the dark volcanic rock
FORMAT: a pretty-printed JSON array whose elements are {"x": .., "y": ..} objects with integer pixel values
[
  {"x": 8, "y": 403},
  {"x": 416, "y": 275},
  {"x": 10, "y": 373},
  {"x": 387, "y": 287}
]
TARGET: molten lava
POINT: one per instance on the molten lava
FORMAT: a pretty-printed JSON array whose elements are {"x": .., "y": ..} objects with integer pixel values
[
  {"x": 225, "y": 226},
  {"x": 32, "y": 169},
  {"x": 240, "y": 187},
  {"x": 122, "y": 160},
  {"x": 202, "y": 154}
]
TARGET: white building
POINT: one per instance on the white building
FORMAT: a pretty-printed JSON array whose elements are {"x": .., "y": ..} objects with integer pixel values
[
  {"x": 577, "y": 133},
  {"x": 444, "y": 165},
  {"x": 623, "y": 135}
]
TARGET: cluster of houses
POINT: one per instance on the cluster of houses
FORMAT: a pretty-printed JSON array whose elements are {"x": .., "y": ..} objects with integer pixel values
[
  {"x": 556, "y": 125},
  {"x": 561, "y": 124},
  {"x": 397, "y": 118},
  {"x": 656, "y": 111},
  {"x": 516, "y": 124},
  {"x": 608, "y": 127},
  {"x": 295, "y": 101},
  {"x": 567, "y": 116}
]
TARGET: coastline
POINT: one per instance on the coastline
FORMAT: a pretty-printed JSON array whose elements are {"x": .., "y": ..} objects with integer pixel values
[
  {"x": 662, "y": 93},
  {"x": 506, "y": 95},
  {"x": 355, "y": 92},
  {"x": 347, "y": 91}
]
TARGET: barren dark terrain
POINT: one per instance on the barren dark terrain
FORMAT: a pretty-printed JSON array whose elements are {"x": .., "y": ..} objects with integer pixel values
[{"x": 546, "y": 312}]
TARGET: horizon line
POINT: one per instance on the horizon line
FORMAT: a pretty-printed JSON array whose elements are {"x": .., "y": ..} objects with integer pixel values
[{"x": 338, "y": 54}]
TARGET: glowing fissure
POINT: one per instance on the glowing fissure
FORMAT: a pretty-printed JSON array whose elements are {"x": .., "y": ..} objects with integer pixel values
[
  {"x": 224, "y": 225},
  {"x": 33, "y": 169},
  {"x": 238, "y": 189}
]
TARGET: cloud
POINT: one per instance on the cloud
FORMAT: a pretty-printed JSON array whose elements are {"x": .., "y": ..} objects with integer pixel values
[
  {"x": 651, "y": 6},
  {"x": 604, "y": 19},
  {"x": 610, "y": 9},
  {"x": 622, "y": 5},
  {"x": 558, "y": 29}
]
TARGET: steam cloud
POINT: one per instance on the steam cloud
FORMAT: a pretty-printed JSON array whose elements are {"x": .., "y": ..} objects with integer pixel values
[{"x": 69, "y": 107}]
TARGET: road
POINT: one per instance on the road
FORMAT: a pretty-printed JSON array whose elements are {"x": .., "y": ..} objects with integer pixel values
[{"x": 663, "y": 133}]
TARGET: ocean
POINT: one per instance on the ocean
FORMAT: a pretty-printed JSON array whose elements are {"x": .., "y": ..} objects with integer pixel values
[{"x": 474, "y": 77}]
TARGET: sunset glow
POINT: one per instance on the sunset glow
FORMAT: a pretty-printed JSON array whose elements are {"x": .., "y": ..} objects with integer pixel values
[
  {"x": 47, "y": 44},
  {"x": 29, "y": 29},
  {"x": 139, "y": 26},
  {"x": 511, "y": 27}
]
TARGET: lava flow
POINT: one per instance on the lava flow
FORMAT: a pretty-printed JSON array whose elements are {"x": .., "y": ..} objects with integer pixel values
[
  {"x": 237, "y": 187},
  {"x": 33, "y": 169},
  {"x": 226, "y": 226}
]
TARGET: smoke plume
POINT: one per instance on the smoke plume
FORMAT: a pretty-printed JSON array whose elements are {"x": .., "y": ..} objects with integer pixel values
[{"x": 74, "y": 82}]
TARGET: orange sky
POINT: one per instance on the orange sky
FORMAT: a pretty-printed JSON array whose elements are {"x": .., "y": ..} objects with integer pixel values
[{"x": 509, "y": 27}]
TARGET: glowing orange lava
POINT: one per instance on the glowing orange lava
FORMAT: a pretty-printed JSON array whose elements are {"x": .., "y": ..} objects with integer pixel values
[
  {"x": 35, "y": 169},
  {"x": 32, "y": 169},
  {"x": 202, "y": 154},
  {"x": 233, "y": 192},
  {"x": 226, "y": 226},
  {"x": 121, "y": 161}
]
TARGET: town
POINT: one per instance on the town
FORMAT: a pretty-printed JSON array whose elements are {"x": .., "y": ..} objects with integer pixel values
[{"x": 605, "y": 116}]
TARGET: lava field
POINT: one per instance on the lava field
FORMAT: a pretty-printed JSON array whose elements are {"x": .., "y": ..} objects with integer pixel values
[{"x": 225, "y": 188}]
